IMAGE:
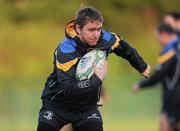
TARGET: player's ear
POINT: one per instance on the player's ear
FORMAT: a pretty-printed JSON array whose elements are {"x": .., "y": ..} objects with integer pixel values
[{"x": 78, "y": 29}]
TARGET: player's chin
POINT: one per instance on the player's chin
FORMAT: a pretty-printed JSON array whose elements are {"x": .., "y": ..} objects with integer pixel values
[{"x": 92, "y": 43}]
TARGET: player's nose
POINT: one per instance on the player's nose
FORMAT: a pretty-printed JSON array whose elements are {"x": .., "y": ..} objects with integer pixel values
[{"x": 96, "y": 34}]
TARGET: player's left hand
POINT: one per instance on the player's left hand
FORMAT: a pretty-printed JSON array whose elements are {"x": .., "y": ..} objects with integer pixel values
[{"x": 146, "y": 73}]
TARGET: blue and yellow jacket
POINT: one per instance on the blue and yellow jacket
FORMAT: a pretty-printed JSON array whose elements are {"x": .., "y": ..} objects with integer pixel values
[
  {"x": 63, "y": 89},
  {"x": 168, "y": 73}
]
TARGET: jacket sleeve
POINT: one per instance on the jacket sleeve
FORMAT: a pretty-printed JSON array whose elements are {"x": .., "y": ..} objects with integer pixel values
[
  {"x": 124, "y": 50},
  {"x": 161, "y": 70},
  {"x": 74, "y": 87},
  {"x": 67, "y": 81}
]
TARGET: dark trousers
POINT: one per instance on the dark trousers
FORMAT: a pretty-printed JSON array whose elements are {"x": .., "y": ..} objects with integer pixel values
[{"x": 53, "y": 119}]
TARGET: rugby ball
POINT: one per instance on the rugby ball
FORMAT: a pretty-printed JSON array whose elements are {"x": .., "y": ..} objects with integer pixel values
[{"x": 85, "y": 69}]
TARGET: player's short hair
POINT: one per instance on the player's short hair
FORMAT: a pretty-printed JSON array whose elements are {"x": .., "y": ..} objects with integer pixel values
[
  {"x": 86, "y": 14},
  {"x": 163, "y": 27},
  {"x": 174, "y": 14}
]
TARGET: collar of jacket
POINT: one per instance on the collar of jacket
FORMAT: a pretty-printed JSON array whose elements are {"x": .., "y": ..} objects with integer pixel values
[{"x": 171, "y": 44}]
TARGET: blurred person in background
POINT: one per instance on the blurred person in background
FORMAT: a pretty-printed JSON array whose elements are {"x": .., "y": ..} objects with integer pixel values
[
  {"x": 68, "y": 100},
  {"x": 173, "y": 19},
  {"x": 168, "y": 73}
]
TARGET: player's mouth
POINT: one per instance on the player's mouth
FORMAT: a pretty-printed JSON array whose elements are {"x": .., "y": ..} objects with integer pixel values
[{"x": 94, "y": 40}]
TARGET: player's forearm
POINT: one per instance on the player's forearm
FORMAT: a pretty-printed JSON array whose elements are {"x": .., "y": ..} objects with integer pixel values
[
  {"x": 159, "y": 73},
  {"x": 147, "y": 83},
  {"x": 129, "y": 53},
  {"x": 137, "y": 61},
  {"x": 154, "y": 78},
  {"x": 81, "y": 87}
]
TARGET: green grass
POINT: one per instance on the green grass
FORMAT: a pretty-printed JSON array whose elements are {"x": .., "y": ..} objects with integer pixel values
[{"x": 131, "y": 112}]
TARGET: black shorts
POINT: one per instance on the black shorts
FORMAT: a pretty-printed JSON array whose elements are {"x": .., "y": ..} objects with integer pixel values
[
  {"x": 80, "y": 120},
  {"x": 172, "y": 112}
]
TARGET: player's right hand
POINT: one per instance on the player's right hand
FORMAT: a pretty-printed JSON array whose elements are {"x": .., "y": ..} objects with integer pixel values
[
  {"x": 146, "y": 73},
  {"x": 136, "y": 88},
  {"x": 101, "y": 72}
]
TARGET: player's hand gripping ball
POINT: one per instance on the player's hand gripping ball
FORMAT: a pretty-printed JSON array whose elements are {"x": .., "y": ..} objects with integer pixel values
[{"x": 85, "y": 68}]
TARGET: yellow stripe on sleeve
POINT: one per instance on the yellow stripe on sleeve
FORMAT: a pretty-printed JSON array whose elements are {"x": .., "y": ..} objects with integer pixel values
[
  {"x": 66, "y": 66},
  {"x": 162, "y": 59},
  {"x": 116, "y": 43}
]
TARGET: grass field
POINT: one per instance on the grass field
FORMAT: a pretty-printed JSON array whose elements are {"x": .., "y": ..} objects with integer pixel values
[{"x": 124, "y": 111}]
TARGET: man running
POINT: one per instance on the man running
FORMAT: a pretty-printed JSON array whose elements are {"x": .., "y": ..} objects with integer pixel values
[{"x": 68, "y": 100}]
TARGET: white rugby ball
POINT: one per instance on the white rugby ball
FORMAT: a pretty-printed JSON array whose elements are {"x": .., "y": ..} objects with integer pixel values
[{"x": 85, "y": 69}]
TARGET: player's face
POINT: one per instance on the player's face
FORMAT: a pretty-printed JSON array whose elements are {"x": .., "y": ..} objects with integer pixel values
[
  {"x": 90, "y": 32},
  {"x": 178, "y": 24},
  {"x": 162, "y": 38},
  {"x": 171, "y": 21}
]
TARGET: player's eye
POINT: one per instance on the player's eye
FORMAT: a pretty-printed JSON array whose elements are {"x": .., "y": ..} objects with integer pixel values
[
  {"x": 94, "y": 29},
  {"x": 91, "y": 29},
  {"x": 99, "y": 29}
]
